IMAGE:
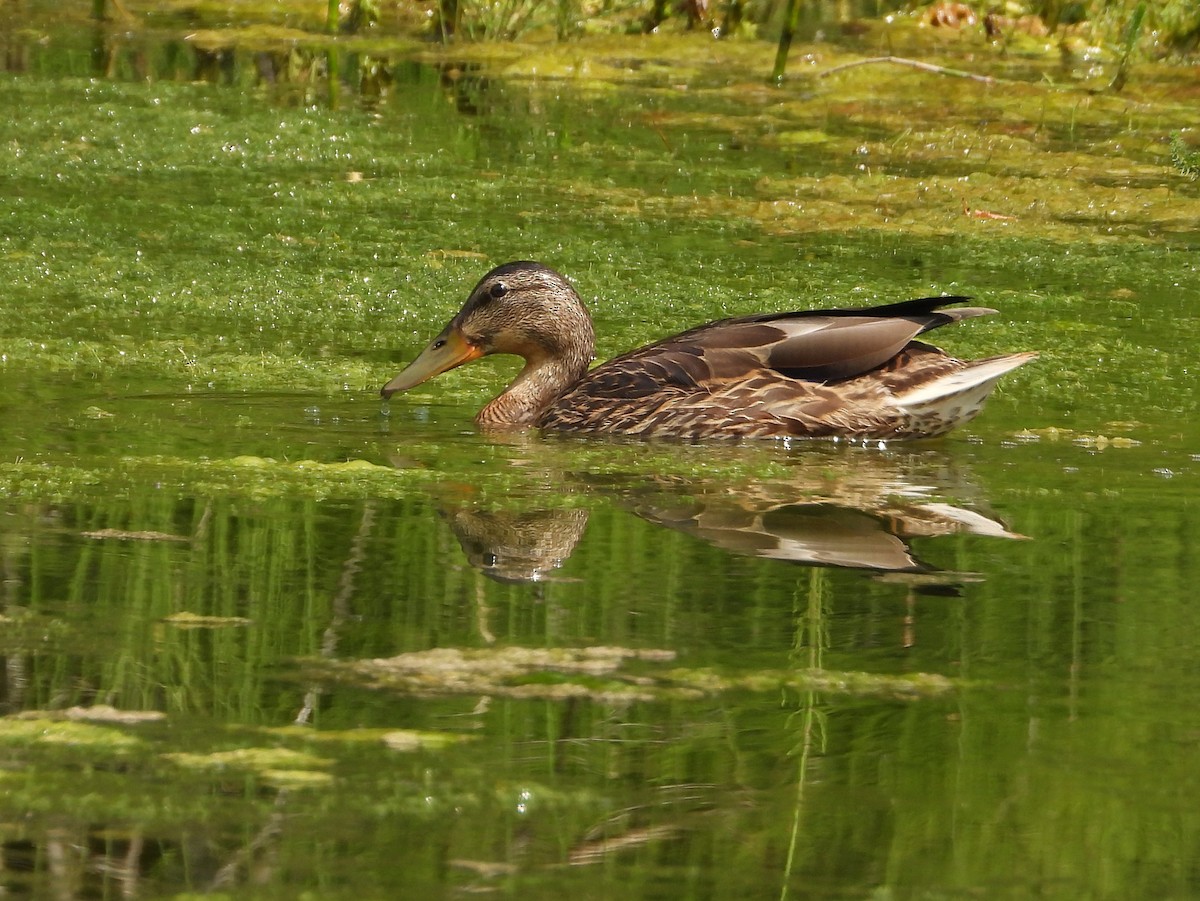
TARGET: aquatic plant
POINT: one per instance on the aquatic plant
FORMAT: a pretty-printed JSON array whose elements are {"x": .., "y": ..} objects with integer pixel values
[
  {"x": 1185, "y": 159},
  {"x": 1132, "y": 31}
]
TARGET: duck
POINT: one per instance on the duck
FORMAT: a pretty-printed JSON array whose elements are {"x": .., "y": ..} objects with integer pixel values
[{"x": 853, "y": 374}]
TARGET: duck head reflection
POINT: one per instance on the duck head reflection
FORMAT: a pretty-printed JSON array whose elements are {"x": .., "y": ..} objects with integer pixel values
[{"x": 517, "y": 546}]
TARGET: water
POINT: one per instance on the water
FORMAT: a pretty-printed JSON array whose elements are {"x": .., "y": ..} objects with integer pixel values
[{"x": 961, "y": 668}]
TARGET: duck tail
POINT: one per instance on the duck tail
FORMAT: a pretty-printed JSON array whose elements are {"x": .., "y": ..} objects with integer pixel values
[{"x": 962, "y": 391}]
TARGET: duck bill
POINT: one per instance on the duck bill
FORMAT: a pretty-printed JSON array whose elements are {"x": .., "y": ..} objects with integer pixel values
[{"x": 447, "y": 350}]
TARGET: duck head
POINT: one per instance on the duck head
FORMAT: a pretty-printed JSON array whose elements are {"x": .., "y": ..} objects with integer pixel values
[{"x": 520, "y": 308}]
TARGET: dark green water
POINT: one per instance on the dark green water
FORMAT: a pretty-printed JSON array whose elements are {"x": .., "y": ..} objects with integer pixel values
[{"x": 205, "y": 284}]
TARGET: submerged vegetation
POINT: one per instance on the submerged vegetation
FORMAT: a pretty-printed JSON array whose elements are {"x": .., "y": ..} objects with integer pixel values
[{"x": 596, "y": 674}]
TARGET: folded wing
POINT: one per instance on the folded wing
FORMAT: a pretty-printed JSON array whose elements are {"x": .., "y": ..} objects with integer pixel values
[{"x": 818, "y": 346}]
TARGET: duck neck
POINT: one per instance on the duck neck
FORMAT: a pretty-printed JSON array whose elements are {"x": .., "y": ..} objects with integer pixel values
[{"x": 538, "y": 385}]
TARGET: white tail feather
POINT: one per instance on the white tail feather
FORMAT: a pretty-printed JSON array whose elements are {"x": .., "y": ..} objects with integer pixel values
[{"x": 972, "y": 383}]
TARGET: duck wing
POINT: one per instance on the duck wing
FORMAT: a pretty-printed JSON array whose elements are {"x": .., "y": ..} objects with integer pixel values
[{"x": 817, "y": 346}]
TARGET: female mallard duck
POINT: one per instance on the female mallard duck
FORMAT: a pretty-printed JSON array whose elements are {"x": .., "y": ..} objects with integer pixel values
[{"x": 825, "y": 373}]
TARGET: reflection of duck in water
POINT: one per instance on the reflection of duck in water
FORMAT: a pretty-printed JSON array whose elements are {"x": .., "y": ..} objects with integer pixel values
[
  {"x": 528, "y": 546},
  {"x": 517, "y": 546},
  {"x": 816, "y": 534},
  {"x": 832, "y": 373},
  {"x": 855, "y": 511}
]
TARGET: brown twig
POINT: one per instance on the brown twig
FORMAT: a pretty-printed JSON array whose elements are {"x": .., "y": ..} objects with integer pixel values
[{"x": 911, "y": 63}]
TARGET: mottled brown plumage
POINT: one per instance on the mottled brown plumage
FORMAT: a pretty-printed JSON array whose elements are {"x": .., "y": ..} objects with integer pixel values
[{"x": 855, "y": 374}]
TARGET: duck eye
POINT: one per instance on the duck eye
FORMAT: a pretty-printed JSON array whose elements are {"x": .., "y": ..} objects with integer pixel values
[{"x": 497, "y": 290}]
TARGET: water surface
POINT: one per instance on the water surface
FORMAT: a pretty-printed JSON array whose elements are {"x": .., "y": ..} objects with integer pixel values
[{"x": 952, "y": 669}]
